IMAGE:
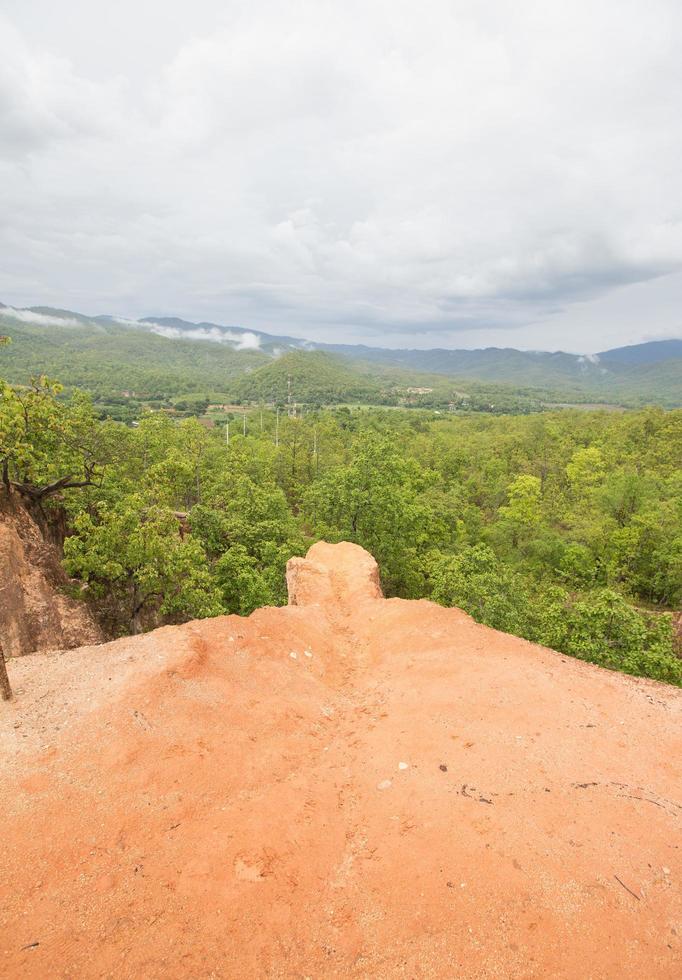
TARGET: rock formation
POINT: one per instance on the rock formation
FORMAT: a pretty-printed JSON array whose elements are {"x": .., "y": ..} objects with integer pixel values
[
  {"x": 36, "y": 613},
  {"x": 346, "y": 787}
]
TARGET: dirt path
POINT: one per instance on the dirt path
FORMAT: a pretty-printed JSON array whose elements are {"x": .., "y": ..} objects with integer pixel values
[{"x": 350, "y": 786}]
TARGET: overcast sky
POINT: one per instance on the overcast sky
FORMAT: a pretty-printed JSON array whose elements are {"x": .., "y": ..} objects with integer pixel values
[{"x": 490, "y": 172}]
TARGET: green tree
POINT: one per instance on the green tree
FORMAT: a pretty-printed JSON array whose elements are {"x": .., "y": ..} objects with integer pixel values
[
  {"x": 605, "y": 630},
  {"x": 48, "y": 446},
  {"x": 585, "y": 469},
  {"x": 477, "y": 581},
  {"x": 137, "y": 553},
  {"x": 379, "y": 500},
  {"x": 522, "y": 514},
  {"x": 243, "y": 587}
]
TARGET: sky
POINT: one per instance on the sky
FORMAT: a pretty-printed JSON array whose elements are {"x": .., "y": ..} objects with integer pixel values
[{"x": 446, "y": 174}]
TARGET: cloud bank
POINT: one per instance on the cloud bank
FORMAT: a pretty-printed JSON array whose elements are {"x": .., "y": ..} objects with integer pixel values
[
  {"x": 43, "y": 319},
  {"x": 240, "y": 341},
  {"x": 366, "y": 171}
]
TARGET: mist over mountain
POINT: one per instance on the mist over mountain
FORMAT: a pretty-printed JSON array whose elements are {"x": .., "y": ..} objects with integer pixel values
[{"x": 195, "y": 355}]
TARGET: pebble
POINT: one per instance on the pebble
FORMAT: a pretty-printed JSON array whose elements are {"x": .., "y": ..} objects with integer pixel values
[
  {"x": 403, "y": 765},
  {"x": 293, "y": 655},
  {"x": 384, "y": 784}
]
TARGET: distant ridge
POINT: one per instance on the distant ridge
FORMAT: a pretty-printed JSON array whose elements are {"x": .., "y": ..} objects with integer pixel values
[
  {"x": 70, "y": 345},
  {"x": 650, "y": 352}
]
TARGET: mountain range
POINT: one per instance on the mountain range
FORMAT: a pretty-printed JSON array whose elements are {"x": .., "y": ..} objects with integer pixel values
[{"x": 170, "y": 355}]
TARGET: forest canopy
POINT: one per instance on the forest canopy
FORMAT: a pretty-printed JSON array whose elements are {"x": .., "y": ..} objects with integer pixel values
[{"x": 562, "y": 527}]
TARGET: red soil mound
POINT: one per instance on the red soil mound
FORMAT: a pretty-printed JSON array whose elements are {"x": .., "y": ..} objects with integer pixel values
[{"x": 350, "y": 786}]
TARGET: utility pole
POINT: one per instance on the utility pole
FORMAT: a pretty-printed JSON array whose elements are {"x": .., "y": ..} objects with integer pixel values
[
  {"x": 315, "y": 454},
  {"x": 227, "y": 433},
  {"x": 245, "y": 423},
  {"x": 5, "y": 687},
  {"x": 261, "y": 421},
  {"x": 277, "y": 429}
]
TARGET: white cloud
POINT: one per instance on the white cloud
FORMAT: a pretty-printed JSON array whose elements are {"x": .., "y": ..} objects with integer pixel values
[
  {"x": 449, "y": 173},
  {"x": 240, "y": 341},
  {"x": 42, "y": 319},
  {"x": 43, "y": 101},
  {"x": 125, "y": 321}
]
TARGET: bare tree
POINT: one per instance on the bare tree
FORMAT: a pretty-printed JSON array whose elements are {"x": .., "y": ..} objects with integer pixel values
[{"x": 4, "y": 678}]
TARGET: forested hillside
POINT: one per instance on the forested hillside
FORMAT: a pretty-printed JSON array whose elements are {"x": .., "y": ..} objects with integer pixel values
[
  {"x": 109, "y": 359},
  {"x": 653, "y": 374},
  {"x": 315, "y": 379},
  {"x": 166, "y": 358},
  {"x": 127, "y": 369},
  {"x": 312, "y": 378},
  {"x": 565, "y": 528}
]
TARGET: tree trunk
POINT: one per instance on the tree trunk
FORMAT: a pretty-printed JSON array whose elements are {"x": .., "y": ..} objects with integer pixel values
[
  {"x": 135, "y": 611},
  {"x": 5, "y": 687}
]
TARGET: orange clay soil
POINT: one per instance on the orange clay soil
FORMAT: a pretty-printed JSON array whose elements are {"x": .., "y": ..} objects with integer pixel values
[{"x": 347, "y": 787}]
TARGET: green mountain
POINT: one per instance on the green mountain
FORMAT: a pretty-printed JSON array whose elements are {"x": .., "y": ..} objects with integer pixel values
[
  {"x": 649, "y": 353},
  {"x": 316, "y": 377},
  {"x": 165, "y": 357},
  {"x": 311, "y": 377},
  {"x": 638, "y": 380},
  {"x": 108, "y": 359}
]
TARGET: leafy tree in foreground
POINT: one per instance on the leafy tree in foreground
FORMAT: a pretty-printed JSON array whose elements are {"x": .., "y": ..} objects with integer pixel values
[
  {"x": 605, "y": 630},
  {"x": 243, "y": 587},
  {"x": 478, "y": 582},
  {"x": 47, "y": 446},
  {"x": 601, "y": 628},
  {"x": 136, "y": 553},
  {"x": 248, "y": 533},
  {"x": 378, "y": 501}
]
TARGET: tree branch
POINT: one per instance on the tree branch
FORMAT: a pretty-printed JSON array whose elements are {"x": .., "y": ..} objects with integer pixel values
[{"x": 39, "y": 493}]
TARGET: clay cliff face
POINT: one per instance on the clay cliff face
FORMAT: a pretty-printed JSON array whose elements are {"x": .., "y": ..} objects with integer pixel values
[
  {"x": 35, "y": 612},
  {"x": 346, "y": 787}
]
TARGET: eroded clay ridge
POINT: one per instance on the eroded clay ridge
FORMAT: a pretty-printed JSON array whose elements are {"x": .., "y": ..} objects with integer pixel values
[
  {"x": 347, "y": 787},
  {"x": 35, "y": 611}
]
